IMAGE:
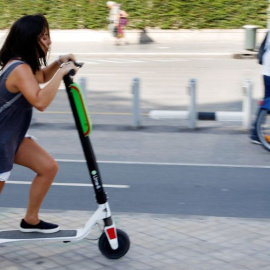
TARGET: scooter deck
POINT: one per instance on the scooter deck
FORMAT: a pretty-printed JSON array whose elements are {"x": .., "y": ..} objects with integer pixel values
[{"x": 18, "y": 235}]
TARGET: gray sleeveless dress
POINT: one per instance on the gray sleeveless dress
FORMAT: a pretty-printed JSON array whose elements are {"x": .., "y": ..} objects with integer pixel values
[{"x": 14, "y": 122}]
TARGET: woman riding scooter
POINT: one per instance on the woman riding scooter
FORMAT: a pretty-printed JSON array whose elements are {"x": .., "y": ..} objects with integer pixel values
[{"x": 22, "y": 56}]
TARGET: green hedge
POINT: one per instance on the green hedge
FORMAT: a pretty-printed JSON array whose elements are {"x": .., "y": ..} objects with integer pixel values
[{"x": 164, "y": 14}]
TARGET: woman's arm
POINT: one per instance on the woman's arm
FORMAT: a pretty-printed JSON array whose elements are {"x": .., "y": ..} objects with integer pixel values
[
  {"x": 46, "y": 74},
  {"x": 22, "y": 80}
]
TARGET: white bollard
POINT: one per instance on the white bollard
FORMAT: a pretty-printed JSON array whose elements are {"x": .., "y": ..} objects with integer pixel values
[
  {"x": 82, "y": 83},
  {"x": 159, "y": 114},
  {"x": 247, "y": 104},
  {"x": 136, "y": 123},
  {"x": 192, "y": 106}
]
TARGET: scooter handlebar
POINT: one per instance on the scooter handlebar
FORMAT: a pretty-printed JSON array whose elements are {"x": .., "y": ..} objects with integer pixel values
[
  {"x": 67, "y": 78},
  {"x": 71, "y": 72},
  {"x": 78, "y": 64}
]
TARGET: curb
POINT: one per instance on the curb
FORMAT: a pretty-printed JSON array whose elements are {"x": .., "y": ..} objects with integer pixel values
[
  {"x": 246, "y": 55},
  {"x": 161, "y": 36},
  {"x": 241, "y": 55}
]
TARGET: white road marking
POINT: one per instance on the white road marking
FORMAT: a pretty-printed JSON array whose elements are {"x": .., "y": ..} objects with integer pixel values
[
  {"x": 110, "y": 61},
  {"x": 136, "y": 163},
  {"x": 91, "y": 62},
  {"x": 194, "y": 54},
  {"x": 152, "y": 59},
  {"x": 95, "y": 74},
  {"x": 67, "y": 184},
  {"x": 134, "y": 61},
  {"x": 170, "y": 164}
]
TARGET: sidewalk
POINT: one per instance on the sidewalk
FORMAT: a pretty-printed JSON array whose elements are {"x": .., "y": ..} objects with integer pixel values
[
  {"x": 157, "y": 242},
  {"x": 178, "y": 43},
  {"x": 168, "y": 43}
]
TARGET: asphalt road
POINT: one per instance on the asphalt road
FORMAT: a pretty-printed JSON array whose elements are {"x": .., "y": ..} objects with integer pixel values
[
  {"x": 216, "y": 170},
  {"x": 163, "y": 87},
  {"x": 155, "y": 188}
]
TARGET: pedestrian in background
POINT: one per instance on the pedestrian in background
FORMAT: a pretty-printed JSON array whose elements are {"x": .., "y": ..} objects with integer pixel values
[
  {"x": 121, "y": 26},
  {"x": 266, "y": 81},
  {"x": 113, "y": 18},
  {"x": 117, "y": 22}
]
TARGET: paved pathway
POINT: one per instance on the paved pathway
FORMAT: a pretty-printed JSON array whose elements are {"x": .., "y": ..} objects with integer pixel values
[{"x": 157, "y": 242}]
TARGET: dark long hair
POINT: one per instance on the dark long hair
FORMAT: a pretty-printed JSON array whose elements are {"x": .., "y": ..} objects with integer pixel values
[{"x": 22, "y": 42}]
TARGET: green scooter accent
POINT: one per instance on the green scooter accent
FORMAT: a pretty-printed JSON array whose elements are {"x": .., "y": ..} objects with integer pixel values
[{"x": 81, "y": 108}]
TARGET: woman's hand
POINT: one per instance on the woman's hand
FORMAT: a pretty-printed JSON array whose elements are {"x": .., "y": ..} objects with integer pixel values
[
  {"x": 66, "y": 58},
  {"x": 67, "y": 67}
]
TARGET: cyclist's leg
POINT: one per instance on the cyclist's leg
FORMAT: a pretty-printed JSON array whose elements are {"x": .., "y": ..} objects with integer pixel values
[
  {"x": 253, "y": 134},
  {"x": 266, "y": 81},
  {"x": 31, "y": 155}
]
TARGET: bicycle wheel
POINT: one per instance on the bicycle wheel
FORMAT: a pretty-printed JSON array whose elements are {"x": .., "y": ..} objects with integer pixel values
[{"x": 263, "y": 128}]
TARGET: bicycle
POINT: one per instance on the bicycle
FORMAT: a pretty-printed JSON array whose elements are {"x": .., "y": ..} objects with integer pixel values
[{"x": 263, "y": 123}]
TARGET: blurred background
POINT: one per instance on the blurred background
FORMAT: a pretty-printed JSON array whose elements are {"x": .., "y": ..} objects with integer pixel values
[
  {"x": 157, "y": 170},
  {"x": 163, "y": 14}
]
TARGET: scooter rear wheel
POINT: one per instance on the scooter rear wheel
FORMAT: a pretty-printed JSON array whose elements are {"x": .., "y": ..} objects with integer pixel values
[
  {"x": 107, "y": 251},
  {"x": 263, "y": 128}
]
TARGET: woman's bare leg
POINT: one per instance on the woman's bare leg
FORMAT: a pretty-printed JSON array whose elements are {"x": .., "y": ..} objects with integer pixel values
[{"x": 31, "y": 155}]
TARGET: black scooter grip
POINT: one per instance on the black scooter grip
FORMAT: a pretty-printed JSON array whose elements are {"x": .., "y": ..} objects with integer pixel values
[
  {"x": 71, "y": 72},
  {"x": 67, "y": 78}
]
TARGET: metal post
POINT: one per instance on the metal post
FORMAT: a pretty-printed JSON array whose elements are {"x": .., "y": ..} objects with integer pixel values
[
  {"x": 136, "y": 103},
  {"x": 192, "y": 106},
  {"x": 247, "y": 104},
  {"x": 82, "y": 83}
]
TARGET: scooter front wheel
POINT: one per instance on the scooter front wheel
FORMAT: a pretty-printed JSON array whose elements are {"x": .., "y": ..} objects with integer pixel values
[
  {"x": 123, "y": 245},
  {"x": 263, "y": 128}
]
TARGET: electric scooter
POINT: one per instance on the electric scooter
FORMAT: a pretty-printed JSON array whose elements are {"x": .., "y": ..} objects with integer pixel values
[{"x": 113, "y": 243}]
